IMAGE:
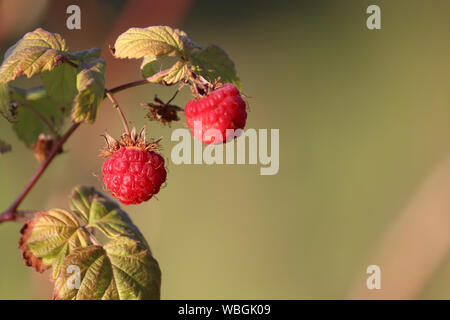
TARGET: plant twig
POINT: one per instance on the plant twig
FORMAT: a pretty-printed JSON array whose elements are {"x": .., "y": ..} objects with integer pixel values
[
  {"x": 11, "y": 213},
  {"x": 139, "y": 82},
  {"x": 113, "y": 100}
]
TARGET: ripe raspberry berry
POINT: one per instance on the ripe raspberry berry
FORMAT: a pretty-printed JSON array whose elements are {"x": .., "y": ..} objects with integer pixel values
[
  {"x": 133, "y": 173},
  {"x": 222, "y": 109}
]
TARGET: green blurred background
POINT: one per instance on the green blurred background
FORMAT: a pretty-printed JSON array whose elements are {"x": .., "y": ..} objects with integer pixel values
[{"x": 363, "y": 118}]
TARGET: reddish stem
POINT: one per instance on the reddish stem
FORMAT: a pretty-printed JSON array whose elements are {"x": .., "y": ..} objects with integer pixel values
[
  {"x": 139, "y": 82},
  {"x": 10, "y": 214}
]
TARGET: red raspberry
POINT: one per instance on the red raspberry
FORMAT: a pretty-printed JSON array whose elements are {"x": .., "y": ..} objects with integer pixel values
[
  {"x": 222, "y": 109},
  {"x": 134, "y": 175}
]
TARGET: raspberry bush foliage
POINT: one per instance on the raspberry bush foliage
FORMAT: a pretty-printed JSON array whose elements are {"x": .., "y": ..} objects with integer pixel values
[{"x": 94, "y": 236}]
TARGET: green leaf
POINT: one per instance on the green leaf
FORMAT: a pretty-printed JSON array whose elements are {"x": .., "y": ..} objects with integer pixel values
[
  {"x": 85, "y": 54},
  {"x": 101, "y": 212},
  {"x": 36, "y": 52},
  {"x": 61, "y": 84},
  {"x": 91, "y": 90},
  {"x": 177, "y": 73},
  {"x": 31, "y": 106},
  {"x": 171, "y": 76},
  {"x": 152, "y": 42},
  {"x": 4, "y": 147},
  {"x": 150, "y": 66},
  {"x": 49, "y": 237},
  {"x": 213, "y": 62},
  {"x": 5, "y": 103},
  {"x": 122, "y": 270}
]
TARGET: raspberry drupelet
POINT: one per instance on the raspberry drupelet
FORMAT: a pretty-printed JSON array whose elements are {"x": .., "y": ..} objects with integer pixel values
[
  {"x": 222, "y": 109},
  {"x": 134, "y": 172}
]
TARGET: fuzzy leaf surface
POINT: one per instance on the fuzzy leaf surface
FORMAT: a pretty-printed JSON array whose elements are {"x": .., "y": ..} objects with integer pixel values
[
  {"x": 99, "y": 211},
  {"x": 213, "y": 62},
  {"x": 36, "y": 52},
  {"x": 91, "y": 90},
  {"x": 49, "y": 237},
  {"x": 82, "y": 55},
  {"x": 28, "y": 125},
  {"x": 5, "y": 103},
  {"x": 121, "y": 270},
  {"x": 152, "y": 42},
  {"x": 61, "y": 84}
]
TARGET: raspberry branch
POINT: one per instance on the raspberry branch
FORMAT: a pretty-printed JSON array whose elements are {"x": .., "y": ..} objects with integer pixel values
[
  {"x": 139, "y": 82},
  {"x": 12, "y": 214}
]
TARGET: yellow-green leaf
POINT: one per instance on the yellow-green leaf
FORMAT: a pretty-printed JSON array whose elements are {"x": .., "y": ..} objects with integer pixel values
[
  {"x": 36, "y": 52},
  {"x": 122, "y": 270},
  {"x": 152, "y": 42},
  {"x": 91, "y": 90},
  {"x": 99, "y": 211},
  {"x": 49, "y": 237}
]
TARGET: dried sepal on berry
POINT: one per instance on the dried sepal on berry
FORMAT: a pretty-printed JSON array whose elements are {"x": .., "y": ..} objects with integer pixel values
[{"x": 135, "y": 139}]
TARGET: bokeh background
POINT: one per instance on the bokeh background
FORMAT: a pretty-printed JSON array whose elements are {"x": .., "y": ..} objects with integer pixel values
[{"x": 364, "y": 119}]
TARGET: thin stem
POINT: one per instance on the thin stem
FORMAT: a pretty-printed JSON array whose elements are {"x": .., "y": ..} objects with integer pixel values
[
  {"x": 119, "y": 110},
  {"x": 175, "y": 94},
  {"x": 11, "y": 213},
  {"x": 139, "y": 82},
  {"x": 42, "y": 118}
]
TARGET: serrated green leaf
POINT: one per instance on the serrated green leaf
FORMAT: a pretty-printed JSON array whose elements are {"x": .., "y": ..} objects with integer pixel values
[
  {"x": 4, "y": 147},
  {"x": 213, "y": 62},
  {"x": 51, "y": 236},
  {"x": 5, "y": 103},
  {"x": 150, "y": 66},
  {"x": 168, "y": 70},
  {"x": 36, "y": 52},
  {"x": 101, "y": 212},
  {"x": 152, "y": 42},
  {"x": 177, "y": 73},
  {"x": 85, "y": 54},
  {"x": 122, "y": 270},
  {"x": 61, "y": 84},
  {"x": 91, "y": 90},
  {"x": 28, "y": 103}
]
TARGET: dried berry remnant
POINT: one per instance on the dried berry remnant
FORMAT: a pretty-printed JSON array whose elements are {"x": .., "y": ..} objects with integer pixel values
[
  {"x": 4, "y": 147},
  {"x": 43, "y": 147},
  {"x": 134, "y": 171},
  {"x": 222, "y": 109},
  {"x": 162, "y": 112}
]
